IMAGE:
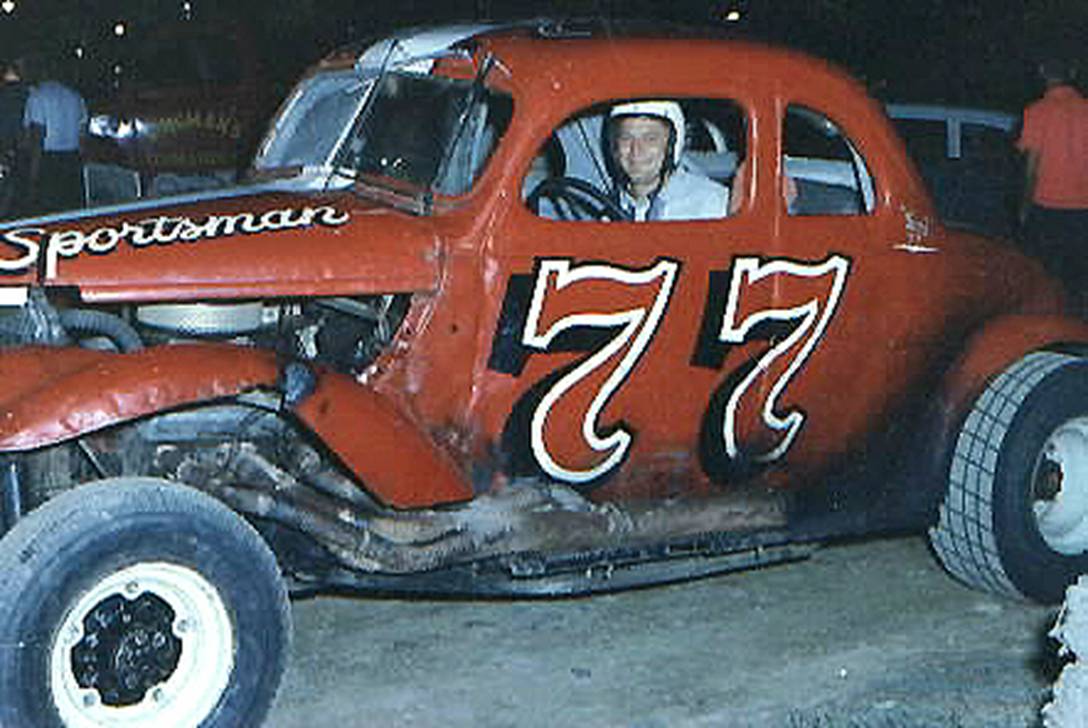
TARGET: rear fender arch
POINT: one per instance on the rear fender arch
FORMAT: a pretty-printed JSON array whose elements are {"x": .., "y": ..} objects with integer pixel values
[{"x": 989, "y": 351}]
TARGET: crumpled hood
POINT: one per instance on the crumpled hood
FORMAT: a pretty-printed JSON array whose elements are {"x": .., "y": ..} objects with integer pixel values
[{"x": 238, "y": 245}]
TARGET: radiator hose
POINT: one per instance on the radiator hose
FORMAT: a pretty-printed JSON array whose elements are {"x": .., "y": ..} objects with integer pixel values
[{"x": 85, "y": 322}]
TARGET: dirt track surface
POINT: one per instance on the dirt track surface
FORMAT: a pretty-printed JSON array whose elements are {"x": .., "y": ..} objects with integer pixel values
[{"x": 867, "y": 635}]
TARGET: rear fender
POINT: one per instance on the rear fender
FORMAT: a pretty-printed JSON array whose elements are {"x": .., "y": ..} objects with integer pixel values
[{"x": 988, "y": 352}]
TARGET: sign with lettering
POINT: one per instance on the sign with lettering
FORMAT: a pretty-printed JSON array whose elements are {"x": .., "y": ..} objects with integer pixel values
[{"x": 32, "y": 243}]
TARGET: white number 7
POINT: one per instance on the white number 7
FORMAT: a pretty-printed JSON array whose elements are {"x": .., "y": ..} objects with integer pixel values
[
  {"x": 812, "y": 311},
  {"x": 635, "y": 323}
]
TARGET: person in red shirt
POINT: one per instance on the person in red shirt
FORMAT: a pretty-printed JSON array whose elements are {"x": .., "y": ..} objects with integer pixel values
[{"x": 1054, "y": 210}]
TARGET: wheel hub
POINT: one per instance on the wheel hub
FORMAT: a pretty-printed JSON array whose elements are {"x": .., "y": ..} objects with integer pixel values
[
  {"x": 1048, "y": 480},
  {"x": 148, "y": 646},
  {"x": 128, "y": 647},
  {"x": 1059, "y": 488}
]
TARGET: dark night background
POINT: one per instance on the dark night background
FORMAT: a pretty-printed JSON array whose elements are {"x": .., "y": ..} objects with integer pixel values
[{"x": 970, "y": 52}]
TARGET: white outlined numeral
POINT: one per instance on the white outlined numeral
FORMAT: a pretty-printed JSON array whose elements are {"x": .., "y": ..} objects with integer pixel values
[
  {"x": 634, "y": 328},
  {"x": 812, "y": 312}
]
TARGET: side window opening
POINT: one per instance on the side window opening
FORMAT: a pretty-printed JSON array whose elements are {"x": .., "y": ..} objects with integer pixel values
[
  {"x": 825, "y": 174},
  {"x": 578, "y": 173}
]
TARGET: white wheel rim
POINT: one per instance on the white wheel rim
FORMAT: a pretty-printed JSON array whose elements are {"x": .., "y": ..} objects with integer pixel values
[
  {"x": 203, "y": 669},
  {"x": 1060, "y": 488}
]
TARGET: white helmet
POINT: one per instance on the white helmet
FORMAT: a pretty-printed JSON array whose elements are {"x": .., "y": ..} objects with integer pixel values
[{"x": 667, "y": 111}]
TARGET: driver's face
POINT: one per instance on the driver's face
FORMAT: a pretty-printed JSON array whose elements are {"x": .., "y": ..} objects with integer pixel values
[{"x": 640, "y": 145}]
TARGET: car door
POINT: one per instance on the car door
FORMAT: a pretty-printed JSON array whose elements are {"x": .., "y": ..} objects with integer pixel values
[{"x": 605, "y": 362}]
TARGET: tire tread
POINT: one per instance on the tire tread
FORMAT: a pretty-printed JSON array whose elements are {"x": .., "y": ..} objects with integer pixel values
[{"x": 963, "y": 537}]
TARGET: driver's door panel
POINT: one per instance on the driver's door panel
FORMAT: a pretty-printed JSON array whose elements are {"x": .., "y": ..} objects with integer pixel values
[{"x": 602, "y": 359}]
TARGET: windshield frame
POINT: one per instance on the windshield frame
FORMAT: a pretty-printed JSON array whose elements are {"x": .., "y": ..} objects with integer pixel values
[{"x": 418, "y": 195}]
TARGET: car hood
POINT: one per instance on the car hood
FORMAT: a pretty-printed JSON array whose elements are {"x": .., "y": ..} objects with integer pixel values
[{"x": 246, "y": 243}]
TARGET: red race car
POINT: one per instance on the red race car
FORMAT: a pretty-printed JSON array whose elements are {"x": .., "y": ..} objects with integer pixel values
[{"x": 583, "y": 320}]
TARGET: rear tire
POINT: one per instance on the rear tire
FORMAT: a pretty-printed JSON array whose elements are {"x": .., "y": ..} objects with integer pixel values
[
  {"x": 137, "y": 602},
  {"x": 1014, "y": 520}
]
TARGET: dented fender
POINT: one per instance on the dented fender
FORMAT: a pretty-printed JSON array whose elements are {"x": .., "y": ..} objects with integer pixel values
[
  {"x": 400, "y": 464},
  {"x": 54, "y": 394}
]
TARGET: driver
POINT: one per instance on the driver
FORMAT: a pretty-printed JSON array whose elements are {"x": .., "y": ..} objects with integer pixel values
[{"x": 652, "y": 181}]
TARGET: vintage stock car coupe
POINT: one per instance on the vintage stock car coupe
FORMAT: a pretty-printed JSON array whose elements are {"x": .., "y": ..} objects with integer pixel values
[{"x": 470, "y": 371}]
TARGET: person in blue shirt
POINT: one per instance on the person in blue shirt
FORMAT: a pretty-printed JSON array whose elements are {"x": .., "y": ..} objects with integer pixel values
[{"x": 55, "y": 119}]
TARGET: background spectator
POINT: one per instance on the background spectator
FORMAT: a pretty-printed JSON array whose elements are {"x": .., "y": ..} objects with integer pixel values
[
  {"x": 13, "y": 93},
  {"x": 1054, "y": 212},
  {"x": 55, "y": 120}
]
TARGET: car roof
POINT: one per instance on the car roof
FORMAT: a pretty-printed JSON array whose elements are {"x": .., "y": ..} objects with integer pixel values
[
  {"x": 578, "y": 66},
  {"x": 536, "y": 52}
]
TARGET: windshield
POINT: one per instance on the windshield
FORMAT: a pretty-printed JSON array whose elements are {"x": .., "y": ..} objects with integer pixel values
[
  {"x": 315, "y": 121},
  {"x": 430, "y": 132}
]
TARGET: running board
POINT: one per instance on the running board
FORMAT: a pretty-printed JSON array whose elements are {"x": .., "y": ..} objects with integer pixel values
[{"x": 536, "y": 575}]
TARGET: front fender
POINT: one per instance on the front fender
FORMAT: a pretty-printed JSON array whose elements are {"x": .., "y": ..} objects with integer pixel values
[
  {"x": 399, "y": 463},
  {"x": 53, "y": 394}
]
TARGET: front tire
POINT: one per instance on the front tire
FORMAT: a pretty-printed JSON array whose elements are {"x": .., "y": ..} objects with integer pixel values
[
  {"x": 1015, "y": 516},
  {"x": 137, "y": 602}
]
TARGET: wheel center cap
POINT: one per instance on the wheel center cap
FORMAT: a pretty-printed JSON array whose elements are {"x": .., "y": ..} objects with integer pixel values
[
  {"x": 1048, "y": 480},
  {"x": 128, "y": 647}
]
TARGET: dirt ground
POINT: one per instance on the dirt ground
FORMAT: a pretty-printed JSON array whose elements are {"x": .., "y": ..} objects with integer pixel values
[{"x": 865, "y": 635}]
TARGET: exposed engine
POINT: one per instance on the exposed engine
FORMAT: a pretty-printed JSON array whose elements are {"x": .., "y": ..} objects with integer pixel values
[{"x": 344, "y": 333}]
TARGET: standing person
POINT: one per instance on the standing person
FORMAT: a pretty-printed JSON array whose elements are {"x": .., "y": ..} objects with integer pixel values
[
  {"x": 1054, "y": 209},
  {"x": 55, "y": 120},
  {"x": 13, "y": 93}
]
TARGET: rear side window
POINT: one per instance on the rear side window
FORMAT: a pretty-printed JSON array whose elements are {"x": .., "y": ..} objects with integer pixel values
[{"x": 824, "y": 173}]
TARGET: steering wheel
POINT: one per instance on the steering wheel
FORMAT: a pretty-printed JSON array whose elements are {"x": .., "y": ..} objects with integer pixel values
[{"x": 576, "y": 199}]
